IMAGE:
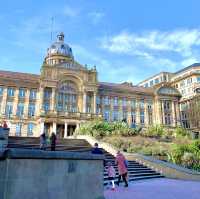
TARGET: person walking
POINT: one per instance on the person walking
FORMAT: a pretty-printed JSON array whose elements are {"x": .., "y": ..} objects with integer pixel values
[
  {"x": 43, "y": 141},
  {"x": 53, "y": 139},
  {"x": 122, "y": 168},
  {"x": 111, "y": 175}
]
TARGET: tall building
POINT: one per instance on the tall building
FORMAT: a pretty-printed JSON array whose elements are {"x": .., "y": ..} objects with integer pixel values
[
  {"x": 67, "y": 93},
  {"x": 186, "y": 80}
]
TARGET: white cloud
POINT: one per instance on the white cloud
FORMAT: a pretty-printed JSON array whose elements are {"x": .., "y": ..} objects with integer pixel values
[
  {"x": 148, "y": 43},
  {"x": 70, "y": 12},
  {"x": 96, "y": 16}
]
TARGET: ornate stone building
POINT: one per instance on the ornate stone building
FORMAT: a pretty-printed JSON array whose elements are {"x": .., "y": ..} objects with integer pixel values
[{"x": 67, "y": 93}]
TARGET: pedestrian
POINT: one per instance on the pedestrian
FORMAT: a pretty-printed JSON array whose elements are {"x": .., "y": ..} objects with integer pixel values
[
  {"x": 122, "y": 168},
  {"x": 53, "y": 139},
  {"x": 97, "y": 150},
  {"x": 111, "y": 175},
  {"x": 43, "y": 141},
  {"x": 5, "y": 125}
]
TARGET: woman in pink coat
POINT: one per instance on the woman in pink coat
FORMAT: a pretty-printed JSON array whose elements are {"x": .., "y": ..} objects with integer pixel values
[{"x": 122, "y": 168}]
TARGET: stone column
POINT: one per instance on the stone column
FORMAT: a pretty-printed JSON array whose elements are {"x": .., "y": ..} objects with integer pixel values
[
  {"x": 178, "y": 113},
  {"x": 129, "y": 112},
  {"x": 41, "y": 99},
  {"x": 65, "y": 133},
  {"x": 163, "y": 112},
  {"x": 137, "y": 112},
  {"x": 94, "y": 103},
  {"x": 26, "y": 103},
  {"x": 54, "y": 127},
  {"x": 41, "y": 127},
  {"x": 146, "y": 114},
  {"x": 15, "y": 102},
  {"x": 53, "y": 99},
  {"x": 84, "y": 102},
  {"x": 4, "y": 99},
  {"x": 173, "y": 114}
]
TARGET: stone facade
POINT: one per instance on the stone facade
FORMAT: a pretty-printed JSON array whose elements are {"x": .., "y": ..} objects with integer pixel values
[{"x": 67, "y": 93}]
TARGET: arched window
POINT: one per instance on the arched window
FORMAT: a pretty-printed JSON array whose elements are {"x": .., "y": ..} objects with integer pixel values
[{"x": 67, "y": 97}]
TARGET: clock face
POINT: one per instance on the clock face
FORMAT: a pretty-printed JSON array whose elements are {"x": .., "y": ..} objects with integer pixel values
[{"x": 197, "y": 90}]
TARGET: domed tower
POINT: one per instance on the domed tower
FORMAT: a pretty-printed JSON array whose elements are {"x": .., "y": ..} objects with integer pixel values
[{"x": 59, "y": 52}]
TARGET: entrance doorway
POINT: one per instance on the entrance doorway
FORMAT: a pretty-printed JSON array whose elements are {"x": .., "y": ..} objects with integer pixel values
[
  {"x": 60, "y": 130},
  {"x": 71, "y": 129}
]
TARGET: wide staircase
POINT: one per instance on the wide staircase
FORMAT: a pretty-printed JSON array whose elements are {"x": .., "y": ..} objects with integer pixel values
[{"x": 136, "y": 171}]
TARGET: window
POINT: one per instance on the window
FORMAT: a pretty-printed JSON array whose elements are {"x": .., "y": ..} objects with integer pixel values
[
  {"x": 115, "y": 115},
  {"x": 31, "y": 110},
  {"x": 31, "y": 127},
  {"x": 18, "y": 129},
  {"x": 11, "y": 92},
  {"x": 141, "y": 117},
  {"x": 21, "y": 93},
  {"x": 198, "y": 79},
  {"x": 115, "y": 100},
  {"x": 189, "y": 81},
  {"x": 146, "y": 85},
  {"x": 151, "y": 83},
  {"x": 149, "y": 105},
  {"x": 33, "y": 94},
  {"x": 156, "y": 80},
  {"x": 133, "y": 103},
  {"x": 167, "y": 119},
  {"x": 182, "y": 83},
  {"x": 167, "y": 105},
  {"x": 20, "y": 109},
  {"x": 124, "y": 116},
  {"x": 106, "y": 115},
  {"x": 106, "y": 100},
  {"x": 124, "y": 102},
  {"x": 47, "y": 93},
  {"x": 142, "y": 103},
  {"x": 9, "y": 109},
  {"x": 46, "y": 107},
  {"x": 164, "y": 77},
  {"x": 1, "y": 91},
  {"x": 133, "y": 117}
]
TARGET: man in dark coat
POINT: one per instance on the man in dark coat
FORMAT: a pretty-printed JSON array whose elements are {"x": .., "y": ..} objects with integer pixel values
[{"x": 53, "y": 141}]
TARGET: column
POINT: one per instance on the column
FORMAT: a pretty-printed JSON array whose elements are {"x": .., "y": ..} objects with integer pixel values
[
  {"x": 15, "y": 102},
  {"x": 163, "y": 112},
  {"x": 65, "y": 133},
  {"x": 146, "y": 114},
  {"x": 137, "y": 112},
  {"x": 84, "y": 102},
  {"x": 4, "y": 99},
  {"x": 173, "y": 114},
  {"x": 54, "y": 127},
  {"x": 178, "y": 113},
  {"x": 26, "y": 103},
  {"x": 94, "y": 103},
  {"x": 41, "y": 127},
  {"x": 129, "y": 112},
  {"x": 41, "y": 99},
  {"x": 53, "y": 99}
]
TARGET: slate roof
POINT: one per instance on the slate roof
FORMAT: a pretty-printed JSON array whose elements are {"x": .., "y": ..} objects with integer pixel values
[{"x": 188, "y": 67}]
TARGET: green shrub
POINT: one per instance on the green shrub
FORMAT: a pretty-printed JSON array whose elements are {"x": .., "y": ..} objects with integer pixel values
[
  {"x": 154, "y": 131},
  {"x": 180, "y": 132}
]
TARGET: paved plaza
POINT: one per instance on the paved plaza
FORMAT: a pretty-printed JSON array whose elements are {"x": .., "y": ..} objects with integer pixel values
[{"x": 157, "y": 189}]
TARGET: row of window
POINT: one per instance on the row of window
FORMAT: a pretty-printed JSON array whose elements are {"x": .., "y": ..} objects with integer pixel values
[
  {"x": 22, "y": 92},
  {"x": 20, "y": 109},
  {"x": 116, "y": 101},
  {"x": 30, "y": 129},
  {"x": 116, "y": 116},
  {"x": 155, "y": 81}
]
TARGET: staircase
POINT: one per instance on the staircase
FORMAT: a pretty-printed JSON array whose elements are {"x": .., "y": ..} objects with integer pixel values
[{"x": 136, "y": 171}]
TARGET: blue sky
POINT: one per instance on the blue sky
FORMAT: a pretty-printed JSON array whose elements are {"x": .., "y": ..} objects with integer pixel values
[{"x": 127, "y": 40}]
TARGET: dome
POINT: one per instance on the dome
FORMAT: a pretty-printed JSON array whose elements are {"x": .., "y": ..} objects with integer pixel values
[{"x": 60, "y": 48}]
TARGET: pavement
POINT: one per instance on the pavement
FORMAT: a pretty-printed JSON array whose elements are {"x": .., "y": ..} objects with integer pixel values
[{"x": 156, "y": 189}]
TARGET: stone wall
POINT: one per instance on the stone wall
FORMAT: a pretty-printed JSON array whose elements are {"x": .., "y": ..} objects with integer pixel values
[{"x": 34, "y": 174}]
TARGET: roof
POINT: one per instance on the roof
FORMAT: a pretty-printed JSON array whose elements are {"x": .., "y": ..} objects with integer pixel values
[
  {"x": 188, "y": 67},
  {"x": 19, "y": 75},
  {"x": 125, "y": 87},
  {"x": 163, "y": 72}
]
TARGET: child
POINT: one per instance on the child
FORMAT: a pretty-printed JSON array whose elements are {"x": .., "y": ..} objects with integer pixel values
[{"x": 111, "y": 175}]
